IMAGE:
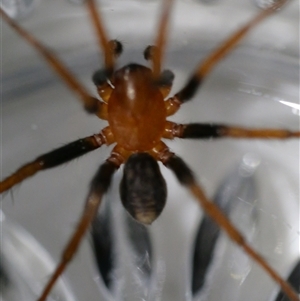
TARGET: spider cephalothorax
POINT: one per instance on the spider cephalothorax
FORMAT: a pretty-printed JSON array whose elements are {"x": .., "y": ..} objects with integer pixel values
[{"x": 134, "y": 101}]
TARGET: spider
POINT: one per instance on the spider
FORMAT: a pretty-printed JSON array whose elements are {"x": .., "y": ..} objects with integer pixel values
[{"x": 136, "y": 127}]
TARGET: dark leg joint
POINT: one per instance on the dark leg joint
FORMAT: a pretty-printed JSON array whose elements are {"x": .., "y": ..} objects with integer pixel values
[
  {"x": 68, "y": 152},
  {"x": 189, "y": 90},
  {"x": 181, "y": 170},
  {"x": 165, "y": 79},
  {"x": 101, "y": 76},
  {"x": 201, "y": 130},
  {"x": 102, "y": 179}
]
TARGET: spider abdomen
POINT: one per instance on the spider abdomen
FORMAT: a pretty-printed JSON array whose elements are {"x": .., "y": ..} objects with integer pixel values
[
  {"x": 143, "y": 189},
  {"x": 136, "y": 109}
]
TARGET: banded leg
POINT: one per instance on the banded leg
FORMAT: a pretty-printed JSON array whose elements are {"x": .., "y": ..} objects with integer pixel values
[
  {"x": 99, "y": 186},
  {"x": 186, "y": 178},
  {"x": 208, "y": 130},
  {"x": 54, "y": 158},
  {"x": 91, "y": 104},
  {"x": 189, "y": 90}
]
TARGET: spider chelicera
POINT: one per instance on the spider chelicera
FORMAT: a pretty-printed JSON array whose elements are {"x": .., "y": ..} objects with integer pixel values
[{"x": 134, "y": 100}]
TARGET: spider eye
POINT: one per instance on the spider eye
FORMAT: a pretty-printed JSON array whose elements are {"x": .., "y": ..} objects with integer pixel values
[{"x": 143, "y": 189}]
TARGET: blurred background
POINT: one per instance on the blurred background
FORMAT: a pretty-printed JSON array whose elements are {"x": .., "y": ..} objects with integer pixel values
[{"x": 256, "y": 86}]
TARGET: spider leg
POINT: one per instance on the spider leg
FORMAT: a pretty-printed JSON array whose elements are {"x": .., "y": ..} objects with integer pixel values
[
  {"x": 209, "y": 130},
  {"x": 164, "y": 80},
  {"x": 99, "y": 186},
  {"x": 91, "y": 104},
  {"x": 186, "y": 178},
  {"x": 155, "y": 53},
  {"x": 189, "y": 90},
  {"x": 102, "y": 76},
  {"x": 111, "y": 49},
  {"x": 293, "y": 279},
  {"x": 55, "y": 158}
]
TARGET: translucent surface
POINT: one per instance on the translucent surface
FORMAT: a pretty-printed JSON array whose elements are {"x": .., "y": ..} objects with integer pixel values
[
  {"x": 24, "y": 264},
  {"x": 256, "y": 86}
]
